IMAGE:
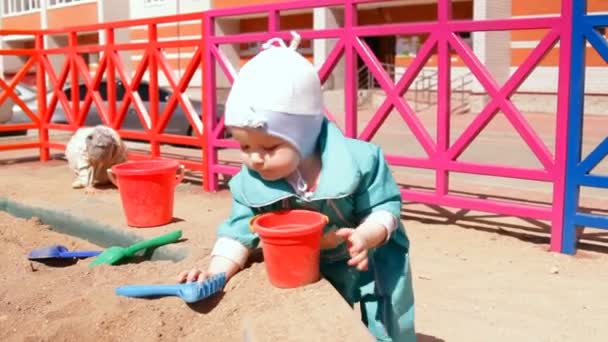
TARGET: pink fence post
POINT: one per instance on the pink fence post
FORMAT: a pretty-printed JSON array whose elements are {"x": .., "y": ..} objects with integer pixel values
[
  {"x": 209, "y": 101},
  {"x": 444, "y": 94},
  {"x": 350, "y": 73},
  {"x": 274, "y": 21},
  {"x": 561, "y": 128}
]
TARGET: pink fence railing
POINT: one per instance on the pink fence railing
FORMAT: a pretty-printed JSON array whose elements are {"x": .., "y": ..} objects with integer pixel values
[{"x": 441, "y": 154}]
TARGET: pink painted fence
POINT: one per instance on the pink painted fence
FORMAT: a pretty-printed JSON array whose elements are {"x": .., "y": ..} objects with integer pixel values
[{"x": 441, "y": 154}]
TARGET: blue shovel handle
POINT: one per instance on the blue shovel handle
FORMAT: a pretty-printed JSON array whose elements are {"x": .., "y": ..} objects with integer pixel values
[
  {"x": 79, "y": 254},
  {"x": 148, "y": 290}
]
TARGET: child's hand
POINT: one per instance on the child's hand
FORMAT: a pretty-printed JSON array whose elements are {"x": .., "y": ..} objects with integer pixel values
[
  {"x": 360, "y": 240},
  {"x": 192, "y": 276},
  {"x": 357, "y": 247},
  {"x": 217, "y": 265}
]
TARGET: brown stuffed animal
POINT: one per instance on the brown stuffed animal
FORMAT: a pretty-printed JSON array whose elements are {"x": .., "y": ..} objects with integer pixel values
[{"x": 90, "y": 152}]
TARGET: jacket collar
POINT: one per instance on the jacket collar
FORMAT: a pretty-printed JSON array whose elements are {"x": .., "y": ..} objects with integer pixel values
[{"x": 339, "y": 174}]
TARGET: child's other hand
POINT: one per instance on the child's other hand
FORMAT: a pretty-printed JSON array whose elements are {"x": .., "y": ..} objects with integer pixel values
[
  {"x": 357, "y": 247},
  {"x": 366, "y": 236}
]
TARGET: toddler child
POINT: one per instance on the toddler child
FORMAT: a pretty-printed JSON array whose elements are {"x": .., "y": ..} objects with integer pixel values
[{"x": 294, "y": 158}]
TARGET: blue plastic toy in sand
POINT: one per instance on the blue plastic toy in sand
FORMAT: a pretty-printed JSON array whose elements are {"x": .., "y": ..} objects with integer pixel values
[
  {"x": 60, "y": 252},
  {"x": 189, "y": 292}
]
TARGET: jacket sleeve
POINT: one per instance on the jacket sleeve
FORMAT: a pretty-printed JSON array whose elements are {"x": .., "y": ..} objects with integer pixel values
[
  {"x": 236, "y": 227},
  {"x": 377, "y": 191}
]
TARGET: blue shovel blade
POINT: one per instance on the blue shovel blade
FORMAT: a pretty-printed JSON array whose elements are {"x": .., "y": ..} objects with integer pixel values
[
  {"x": 59, "y": 251},
  {"x": 189, "y": 292}
]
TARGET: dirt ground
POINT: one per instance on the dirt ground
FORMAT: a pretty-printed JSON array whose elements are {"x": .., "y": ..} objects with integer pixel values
[{"x": 477, "y": 277}]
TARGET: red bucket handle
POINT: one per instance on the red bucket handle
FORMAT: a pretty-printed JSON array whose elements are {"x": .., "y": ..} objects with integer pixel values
[
  {"x": 111, "y": 177},
  {"x": 180, "y": 174}
]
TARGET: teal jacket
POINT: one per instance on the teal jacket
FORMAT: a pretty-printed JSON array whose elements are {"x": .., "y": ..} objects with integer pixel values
[{"x": 355, "y": 181}]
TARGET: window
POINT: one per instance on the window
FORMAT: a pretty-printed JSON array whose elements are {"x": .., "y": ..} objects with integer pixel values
[
  {"x": 20, "y": 6},
  {"x": 152, "y": 3},
  {"x": 61, "y": 2}
]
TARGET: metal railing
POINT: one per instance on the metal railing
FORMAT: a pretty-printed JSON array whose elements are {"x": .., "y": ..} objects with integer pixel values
[
  {"x": 461, "y": 94},
  {"x": 423, "y": 90}
]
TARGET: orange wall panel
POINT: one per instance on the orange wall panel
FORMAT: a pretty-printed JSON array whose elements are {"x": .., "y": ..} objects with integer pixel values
[
  {"x": 597, "y": 5},
  {"x": 177, "y": 50},
  {"x": 22, "y": 22},
  {"x": 83, "y": 14},
  {"x": 594, "y": 58},
  {"x": 518, "y": 56},
  {"x": 138, "y": 33},
  {"x": 525, "y": 35},
  {"x": 237, "y": 3},
  {"x": 527, "y": 7},
  {"x": 174, "y": 64},
  {"x": 168, "y": 31},
  {"x": 163, "y": 31},
  {"x": 172, "y": 61},
  {"x": 190, "y": 29}
]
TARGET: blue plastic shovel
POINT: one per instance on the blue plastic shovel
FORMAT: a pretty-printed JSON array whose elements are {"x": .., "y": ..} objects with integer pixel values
[
  {"x": 189, "y": 292},
  {"x": 59, "y": 252}
]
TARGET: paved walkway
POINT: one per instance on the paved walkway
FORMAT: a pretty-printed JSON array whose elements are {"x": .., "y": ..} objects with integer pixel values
[{"x": 498, "y": 143}]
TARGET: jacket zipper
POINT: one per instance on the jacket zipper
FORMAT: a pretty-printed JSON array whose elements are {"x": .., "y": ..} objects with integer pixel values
[{"x": 334, "y": 207}]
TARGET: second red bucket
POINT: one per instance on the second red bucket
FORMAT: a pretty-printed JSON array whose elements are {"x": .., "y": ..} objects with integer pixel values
[
  {"x": 147, "y": 190},
  {"x": 291, "y": 244}
]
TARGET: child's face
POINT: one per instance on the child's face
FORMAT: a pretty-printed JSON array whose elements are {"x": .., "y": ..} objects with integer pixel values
[{"x": 272, "y": 157}]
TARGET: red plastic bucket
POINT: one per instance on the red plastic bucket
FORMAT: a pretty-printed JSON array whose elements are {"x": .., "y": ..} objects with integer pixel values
[
  {"x": 147, "y": 189},
  {"x": 291, "y": 244}
]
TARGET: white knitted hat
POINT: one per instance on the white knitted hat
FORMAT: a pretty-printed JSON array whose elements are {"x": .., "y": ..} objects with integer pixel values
[{"x": 278, "y": 91}]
